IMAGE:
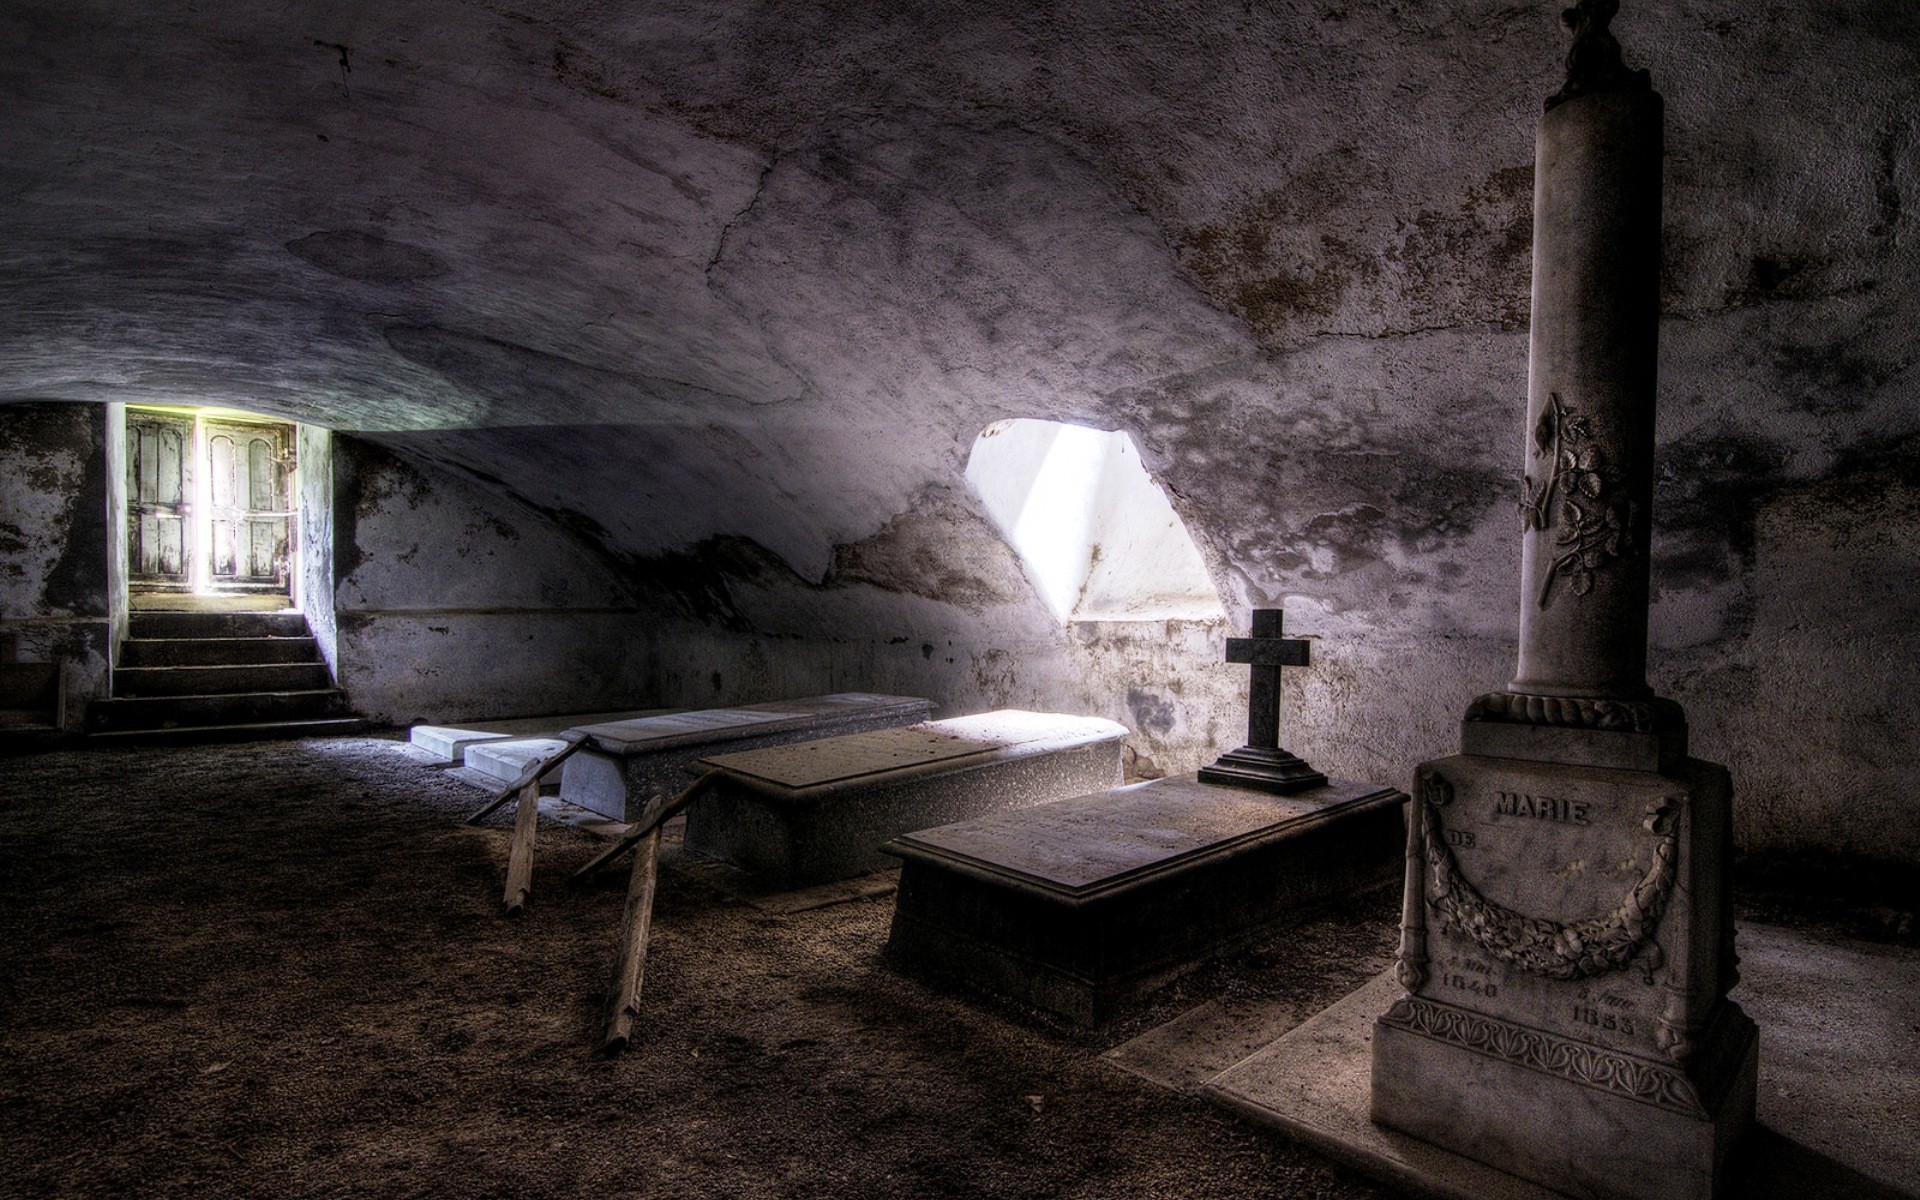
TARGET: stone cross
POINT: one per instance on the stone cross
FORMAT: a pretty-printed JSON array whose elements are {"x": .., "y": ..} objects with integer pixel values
[
  {"x": 1261, "y": 763},
  {"x": 1266, "y": 652}
]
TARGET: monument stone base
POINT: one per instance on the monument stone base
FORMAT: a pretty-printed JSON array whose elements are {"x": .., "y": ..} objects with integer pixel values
[
  {"x": 1315, "y": 1085},
  {"x": 1504, "y": 1093},
  {"x": 1590, "y": 1055},
  {"x": 1081, "y": 906}
]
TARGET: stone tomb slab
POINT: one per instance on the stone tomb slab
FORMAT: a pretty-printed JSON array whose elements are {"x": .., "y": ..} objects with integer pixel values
[
  {"x": 823, "y": 810},
  {"x": 494, "y": 765},
  {"x": 448, "y": 743},
  {"x": 1081, "y": 906},
  {"x": 626, "y": 762}
]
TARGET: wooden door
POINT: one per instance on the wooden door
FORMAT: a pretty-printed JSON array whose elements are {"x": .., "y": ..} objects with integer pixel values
[
  {"x": 249, "y": 469},
  {"x": 159, "y": 494}
]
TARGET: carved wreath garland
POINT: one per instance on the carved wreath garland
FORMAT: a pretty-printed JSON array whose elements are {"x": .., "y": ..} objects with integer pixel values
[
  {"x": 1574, "y": 950},
  {"x": 1594, "y": 526}
]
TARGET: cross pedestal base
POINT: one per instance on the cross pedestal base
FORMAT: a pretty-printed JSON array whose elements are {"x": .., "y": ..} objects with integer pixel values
[{"x": 1281, "y": 772}]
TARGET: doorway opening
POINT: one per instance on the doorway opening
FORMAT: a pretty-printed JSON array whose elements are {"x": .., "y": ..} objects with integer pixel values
[{"x": 210, "y": 509}]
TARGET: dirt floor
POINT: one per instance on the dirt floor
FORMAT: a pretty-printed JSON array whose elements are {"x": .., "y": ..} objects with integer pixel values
[{"x": 279, "y": 970}]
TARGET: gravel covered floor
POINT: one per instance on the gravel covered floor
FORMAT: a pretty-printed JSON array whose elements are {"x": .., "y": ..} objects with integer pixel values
[{"x": 278, "y": 970}]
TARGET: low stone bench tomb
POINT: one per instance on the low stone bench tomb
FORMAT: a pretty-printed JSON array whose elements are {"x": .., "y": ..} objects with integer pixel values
[
  {"x": 626, "y": 762},
  {"x": 819, "y": 811},
  {"x": 494, "y": 765},
  {"x": 449, "y": 743}
]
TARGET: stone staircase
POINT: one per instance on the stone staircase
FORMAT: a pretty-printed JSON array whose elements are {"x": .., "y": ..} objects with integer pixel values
[{"x": 219, "y": 676}]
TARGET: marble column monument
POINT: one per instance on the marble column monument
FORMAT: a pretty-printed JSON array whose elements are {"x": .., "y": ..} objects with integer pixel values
[{"x": 1567, "y": 942}]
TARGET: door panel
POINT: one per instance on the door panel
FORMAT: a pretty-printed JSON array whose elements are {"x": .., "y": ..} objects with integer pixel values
[
  {"x": 159, "y": 483},
  {"x": 250, "y": 469},
  {"x": 262, "y": 475}
]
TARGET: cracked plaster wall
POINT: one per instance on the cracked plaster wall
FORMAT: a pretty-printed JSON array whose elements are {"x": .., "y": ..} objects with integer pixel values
[
  {"x": 313, "y": 584},
  {"x": 448, "y": 602},
  {"x": 57, "y": 567},
  {"x": 722, "y": 293}
]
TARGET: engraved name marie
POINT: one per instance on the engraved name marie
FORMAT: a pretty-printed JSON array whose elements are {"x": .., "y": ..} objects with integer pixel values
[{"x": 1544, "y": 808}]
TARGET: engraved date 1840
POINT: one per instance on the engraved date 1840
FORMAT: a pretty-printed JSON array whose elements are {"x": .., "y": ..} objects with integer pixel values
[{"x": 1466, "y": 982}]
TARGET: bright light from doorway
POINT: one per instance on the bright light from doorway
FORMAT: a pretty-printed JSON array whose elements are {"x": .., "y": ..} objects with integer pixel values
[{"x": 1097, "y": 535}]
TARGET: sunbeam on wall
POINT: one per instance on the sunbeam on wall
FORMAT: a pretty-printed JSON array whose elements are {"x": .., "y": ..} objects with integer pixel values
[{"x": 1098, "y": 536}]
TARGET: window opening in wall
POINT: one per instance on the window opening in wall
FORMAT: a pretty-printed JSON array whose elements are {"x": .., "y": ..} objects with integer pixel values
[
  {"x": 1098, "y": 536},
  {"x": 210, "y": 508}
]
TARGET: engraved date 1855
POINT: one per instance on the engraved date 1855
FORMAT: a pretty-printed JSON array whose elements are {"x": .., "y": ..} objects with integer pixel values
[{"x": 1611, "y": 1022}]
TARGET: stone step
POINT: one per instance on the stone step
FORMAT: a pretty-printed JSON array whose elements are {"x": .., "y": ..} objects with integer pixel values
[
  {"x": 216, "y": 651},
  {"x": 247, "y": 731},
  {"x": 216, "y": 624},
  {"x": 165, "y": 712},
  {"x": 221, "y": 679}
]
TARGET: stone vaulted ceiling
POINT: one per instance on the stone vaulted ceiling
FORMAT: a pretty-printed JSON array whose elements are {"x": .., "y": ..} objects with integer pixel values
[{"x": 677, "y": 270}]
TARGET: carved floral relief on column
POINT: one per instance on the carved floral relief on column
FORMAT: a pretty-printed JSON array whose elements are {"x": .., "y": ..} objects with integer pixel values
[{"x": 1580, "y": 495}]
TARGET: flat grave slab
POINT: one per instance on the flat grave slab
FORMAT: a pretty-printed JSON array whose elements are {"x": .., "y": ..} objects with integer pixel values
[
  {"x": 448, "y": 743},
  {"x": 823, "y": 810},
  {"x": 1312, "y": 1085},
  {"x": 626, "y": 762},
  {"x": 494, "y": 765},
  {"x": 1082, "y": 906},
  {"x": 1832, "y": 1084}
]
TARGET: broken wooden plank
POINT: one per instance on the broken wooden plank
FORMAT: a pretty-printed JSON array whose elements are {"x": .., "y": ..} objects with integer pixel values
[
  {"x": 526, "y": 824},
  {"x": 635, "y": 927},
  {"x": 655, "y": 814}
]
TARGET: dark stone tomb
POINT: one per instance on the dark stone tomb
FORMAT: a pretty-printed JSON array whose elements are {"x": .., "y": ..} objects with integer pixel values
[{"x": 1082, "y": 906}]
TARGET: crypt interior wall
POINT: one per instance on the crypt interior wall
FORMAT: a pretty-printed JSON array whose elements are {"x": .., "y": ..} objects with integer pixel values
[
  {"x": 313, "y": 578},
  {"x": 448, "y": 602},
  {"x": 58, "y": 571},
  {"x": 707, "y": 307}
]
